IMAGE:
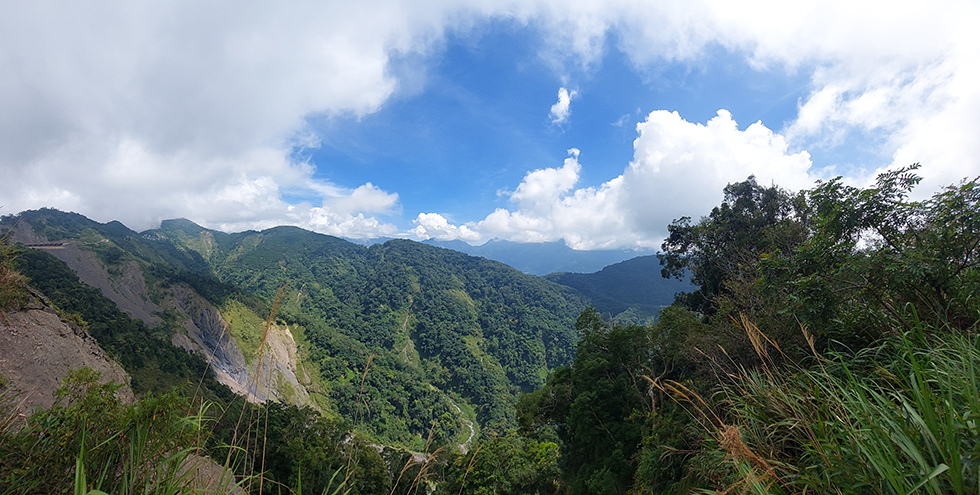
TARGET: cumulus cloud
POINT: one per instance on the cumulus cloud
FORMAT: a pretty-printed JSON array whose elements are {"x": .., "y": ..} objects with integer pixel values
[
  {"x": 436, "y": 226},
  {"x": 679, "y": 169},
  {"x": 141, "y": 111},
  {"x": 561, "y": 110}
]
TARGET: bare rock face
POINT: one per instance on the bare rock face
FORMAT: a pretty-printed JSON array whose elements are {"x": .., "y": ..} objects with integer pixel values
[
  {"x": 208, "y": 334},
  {"x": 276, "y": 372},
  {"x": 38, "y": 349},
  {"x": 127, "y": 288},
  {"x": 206, "y": 331}
]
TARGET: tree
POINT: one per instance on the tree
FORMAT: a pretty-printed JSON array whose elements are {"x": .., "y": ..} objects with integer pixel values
[
  {"x": 717, "y": 251},
  {"x": 873, "y": 255}
]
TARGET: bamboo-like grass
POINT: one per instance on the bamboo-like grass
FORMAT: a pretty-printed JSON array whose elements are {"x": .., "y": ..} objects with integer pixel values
[
  {"x": 901, "y": 417},
  {"x": 150, "y": 450}
]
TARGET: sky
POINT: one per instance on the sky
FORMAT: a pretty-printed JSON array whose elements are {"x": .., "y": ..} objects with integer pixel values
[{"x": 595, "y": 123}]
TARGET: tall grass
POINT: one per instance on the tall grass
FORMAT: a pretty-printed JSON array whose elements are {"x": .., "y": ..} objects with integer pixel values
[
  {"x": 106, "y": 444},
  {"x": 901, "y": 417},
  {"x": 13, "y": 285}
]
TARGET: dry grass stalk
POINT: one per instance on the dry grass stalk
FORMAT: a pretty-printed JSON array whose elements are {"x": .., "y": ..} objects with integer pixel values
[
  {"x": 680, "y": 392},
  {"x": 757, "y": 338},
  {"x": 424, "y": 470},
  {"x": 760, "y": 470},
  {"x": 360, "y": 392},
  {"x": 810, "y": 340},
  {"x": 469, "y": 467},
  {"x": 730, "y": 438}
]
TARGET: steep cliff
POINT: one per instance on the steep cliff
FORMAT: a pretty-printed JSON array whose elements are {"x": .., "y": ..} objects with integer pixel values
[
  {"x": 39, "y": 348},
  {"x": 201, "y": 327},
  {"x": 208, "y": 333}
]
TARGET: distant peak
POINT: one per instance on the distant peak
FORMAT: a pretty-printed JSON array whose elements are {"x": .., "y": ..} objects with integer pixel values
[{"x": 181, "y": 224}]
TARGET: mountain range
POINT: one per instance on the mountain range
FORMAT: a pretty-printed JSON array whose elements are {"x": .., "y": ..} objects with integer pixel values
[
  {"x": 543, "y": 258},
  {"x": 401, "y": 339}
]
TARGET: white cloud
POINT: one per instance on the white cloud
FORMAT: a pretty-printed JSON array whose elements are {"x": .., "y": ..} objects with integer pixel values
[
  {"x": 679, "y": 169},
  {"x": 561, "y": 110},
  {"x": 141, "y": 111},
  {"x": 544, "y": 186},
  {"x": 435, "y": 226},
  {"x": 366, "y": 198}
]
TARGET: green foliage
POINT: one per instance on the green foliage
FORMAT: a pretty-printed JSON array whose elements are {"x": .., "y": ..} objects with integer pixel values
[
  {"x": 245, "y": 326},
  {"x": 873, "y": 252},
  {"x": 13, "y": 292},
  {"x": 154, "y": 364},
  {"x": 510, "y": 464},
  {"x": 90, "y": 439},
  {"x": 721, "y": 248},
  {"x": 302, "y": 448},
  {"x": 598, "y": 406}
]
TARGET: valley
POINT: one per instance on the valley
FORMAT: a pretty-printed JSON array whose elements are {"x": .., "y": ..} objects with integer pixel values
[
  {"x": 796, "y": 361},
  {"x": 438, "y": 326}
]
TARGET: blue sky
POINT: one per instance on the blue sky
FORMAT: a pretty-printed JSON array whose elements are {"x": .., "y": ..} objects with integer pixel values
[
  {"x": 481, "y": 120},
  {"x": 394, "y": 119}
]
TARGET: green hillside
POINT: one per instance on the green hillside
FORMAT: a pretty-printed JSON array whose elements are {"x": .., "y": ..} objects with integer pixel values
[
  {"x": 630, "y": 291},
  {"x": 468, "y": 325},
  {"x": 450, "y": 338}
]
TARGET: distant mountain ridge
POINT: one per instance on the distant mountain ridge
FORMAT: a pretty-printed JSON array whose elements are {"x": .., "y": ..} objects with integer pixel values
[
  {"x": 543, "y": 258},
  {"x": 442, "y": 339},
  {"x": 630, "y": 291}
]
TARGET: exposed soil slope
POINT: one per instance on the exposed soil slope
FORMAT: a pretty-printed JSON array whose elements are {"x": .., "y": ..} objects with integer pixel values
[
  {"x": 39, "y": 348},
  {"x": 206, "y": 330}
]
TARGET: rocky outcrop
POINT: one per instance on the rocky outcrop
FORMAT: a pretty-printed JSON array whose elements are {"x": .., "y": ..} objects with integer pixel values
[
  {"x": 277, "y": 372},
  {"x": 126, "y": 286},
  {"x": 205, "y": 330},
  {"x": 37, "y": 350},
  {"x": 209, "y": 334}
]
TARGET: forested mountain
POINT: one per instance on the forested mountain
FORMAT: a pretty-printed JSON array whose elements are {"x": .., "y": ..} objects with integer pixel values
[
  {"x": 467, "y": 324},
  {"x": 542, "y": 258},
  {"x": 631, "y": 291},
  {"x": 439, "y": 332},
  {"x": 830, "y": 345}
]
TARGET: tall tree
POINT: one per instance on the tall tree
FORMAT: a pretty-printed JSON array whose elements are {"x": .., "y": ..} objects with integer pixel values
[
  {"x": 873, "y": 255},
  {"x": 752, "y": 221}
]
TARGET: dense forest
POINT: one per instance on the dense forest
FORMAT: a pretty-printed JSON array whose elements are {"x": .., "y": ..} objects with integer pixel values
[
  {"x": 451, "y": 339},
  {"x": 828, "y": 345},
  {"x": 630, "y": 291}
]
